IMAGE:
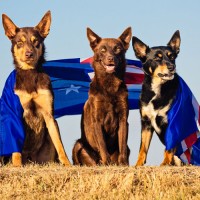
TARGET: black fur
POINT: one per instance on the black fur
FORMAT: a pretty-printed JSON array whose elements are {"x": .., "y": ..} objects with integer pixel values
[{"x": 158, "y": 91}]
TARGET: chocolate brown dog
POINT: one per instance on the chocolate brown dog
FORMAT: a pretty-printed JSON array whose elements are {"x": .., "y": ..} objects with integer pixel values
[
  {"x": 43, "y": 142},
  {"x": 104, "y": 123}
]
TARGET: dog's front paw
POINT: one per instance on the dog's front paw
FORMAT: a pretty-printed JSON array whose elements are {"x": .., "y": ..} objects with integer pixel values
[
  {"x": 140, "y": 162},
  {"x": 122, "y": 160},
  {"x": 17, "y": 159},
  {"x": 65, "y": 161},
  {"x": 106, "y": 160},
  {"x": 166, "y": 163},
  {"x": 168, "y": 157}
]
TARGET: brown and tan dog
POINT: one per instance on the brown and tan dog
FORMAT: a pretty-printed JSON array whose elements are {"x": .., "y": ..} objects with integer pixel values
[
  {"x": 43, "y": 142},
  {"x": 104, "y": 123}
]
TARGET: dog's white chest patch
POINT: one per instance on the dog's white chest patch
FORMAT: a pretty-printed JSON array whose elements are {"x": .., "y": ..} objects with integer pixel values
[
  {"x": 152, "y": 114},
  {"x": 149, "y": 111}
]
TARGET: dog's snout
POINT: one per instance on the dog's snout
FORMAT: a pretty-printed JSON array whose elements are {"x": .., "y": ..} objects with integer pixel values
[
  {"x": 170, "y": 66},
  {"x": 110, "y": 58},
  {"x": 29, "y": 54}
]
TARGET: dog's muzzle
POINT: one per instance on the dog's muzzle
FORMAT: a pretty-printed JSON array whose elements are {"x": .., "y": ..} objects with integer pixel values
[
  {"x": 168, "y": 76},
  {"x": 109, "y": 68}
]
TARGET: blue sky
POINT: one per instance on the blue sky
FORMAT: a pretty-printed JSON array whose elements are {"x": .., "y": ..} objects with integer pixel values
[{"x": 154, "y": 22}]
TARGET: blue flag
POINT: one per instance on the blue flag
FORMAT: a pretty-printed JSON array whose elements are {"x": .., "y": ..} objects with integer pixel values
[
  {"x": 182, "y": 131},
  {"x": 11, "y": 125}
]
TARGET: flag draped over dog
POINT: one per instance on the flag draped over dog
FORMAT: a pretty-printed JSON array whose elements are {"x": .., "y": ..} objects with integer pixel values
[
  {"x": 70, "y": 81},
  {"x": 182, "y": 131},
  {"x": 12, "y": 133}
]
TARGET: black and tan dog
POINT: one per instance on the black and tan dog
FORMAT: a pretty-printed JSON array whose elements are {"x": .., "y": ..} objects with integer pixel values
[
  {"x": 43, "y": 142},
  {"x": 104, "y": 123},
  {"x": 158, "y": 91}
]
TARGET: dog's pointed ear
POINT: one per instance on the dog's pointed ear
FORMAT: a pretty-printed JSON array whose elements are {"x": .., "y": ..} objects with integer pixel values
[
  {"x": 9, "y": 27},
  {"x": 139, "y": 48},
  {"x": 93, "y": 38},
  {"x": 175, "y": 42},
  {"x": 44, "y": 25},
  {"x": 125, "y": 37}
]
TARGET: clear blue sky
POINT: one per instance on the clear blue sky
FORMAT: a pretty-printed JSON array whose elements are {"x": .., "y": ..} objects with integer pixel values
[{"x": 153, "y": 22}]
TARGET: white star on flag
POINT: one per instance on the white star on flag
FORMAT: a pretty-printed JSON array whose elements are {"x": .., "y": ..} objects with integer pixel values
[{"x": 72, "y": 88}]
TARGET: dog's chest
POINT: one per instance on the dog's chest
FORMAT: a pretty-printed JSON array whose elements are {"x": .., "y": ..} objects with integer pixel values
[
  {"x": 156, "y": 114},
  {"x": 35, "y": 97}
]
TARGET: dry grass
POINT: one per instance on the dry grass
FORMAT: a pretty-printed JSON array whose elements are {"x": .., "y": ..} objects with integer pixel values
[{"x": 57, "y": 182}]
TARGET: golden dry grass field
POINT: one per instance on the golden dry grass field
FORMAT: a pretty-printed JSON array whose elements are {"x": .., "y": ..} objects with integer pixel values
[{"x": 54, "y": 181}]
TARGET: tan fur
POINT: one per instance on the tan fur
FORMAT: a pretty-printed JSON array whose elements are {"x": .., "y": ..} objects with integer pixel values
[
  {"x": 161, "y": 69},
  {"x": 146, "y": 139},
  {"x": 168, "y": 157},
  {"x": 16, "y": 159},
  {"x": 20, "y": 58}
]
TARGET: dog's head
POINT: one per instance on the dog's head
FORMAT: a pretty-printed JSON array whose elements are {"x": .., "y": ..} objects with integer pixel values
[
  {"x": 158, "y": 62},
  {"x": 109, "y": 52},
  {"x": 27, "y": 42}
]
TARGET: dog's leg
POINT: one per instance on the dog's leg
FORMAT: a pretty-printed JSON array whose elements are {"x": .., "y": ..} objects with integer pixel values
[
  {"x": 168, "y": 157},
  {"x": 81, "y": 156},
  {"x": 55, "y": 136},
  {"x": 144, "y": 146},
  {"x": 123, "y": 137},
  {"x": 17, "y": 159},
  {"x": 101, "y": 145},
  {"x": 44, "y": 104}
]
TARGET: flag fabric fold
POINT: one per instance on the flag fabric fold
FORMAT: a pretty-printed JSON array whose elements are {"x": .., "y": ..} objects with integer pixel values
[
  {"x": 182, "y": 131},
  {"x": 11, "y": 124}
]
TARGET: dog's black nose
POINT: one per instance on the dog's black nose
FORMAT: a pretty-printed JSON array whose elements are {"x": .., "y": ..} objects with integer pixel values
[
  {"x": 170, "y": 66},
  {"x": 29, "y": 54}
]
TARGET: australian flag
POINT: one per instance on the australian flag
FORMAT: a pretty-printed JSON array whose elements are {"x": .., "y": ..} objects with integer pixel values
[{"x": 70, "y": 81}]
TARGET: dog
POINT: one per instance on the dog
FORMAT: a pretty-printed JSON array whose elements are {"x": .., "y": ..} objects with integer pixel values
[
  {"x": 104, "y": 125},
  {"x": 158, "y": 92},
  {"x": 33, "y": 87}
]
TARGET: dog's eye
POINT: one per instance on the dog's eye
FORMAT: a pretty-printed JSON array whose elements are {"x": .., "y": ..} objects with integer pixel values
[
  {"x": 172, "y": 57},
  {"x": 158, "y": 56},
  {"x": 118, "y": 49},
  {"x": 103, "y": 50},
  {"x": 36, "y": 43},
  {"x": 20, "y": 44}
]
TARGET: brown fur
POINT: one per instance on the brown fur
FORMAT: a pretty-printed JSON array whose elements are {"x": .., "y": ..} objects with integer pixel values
[
  {"x": 43, "y": 142},
  {"x": 104, "y": 123}
]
